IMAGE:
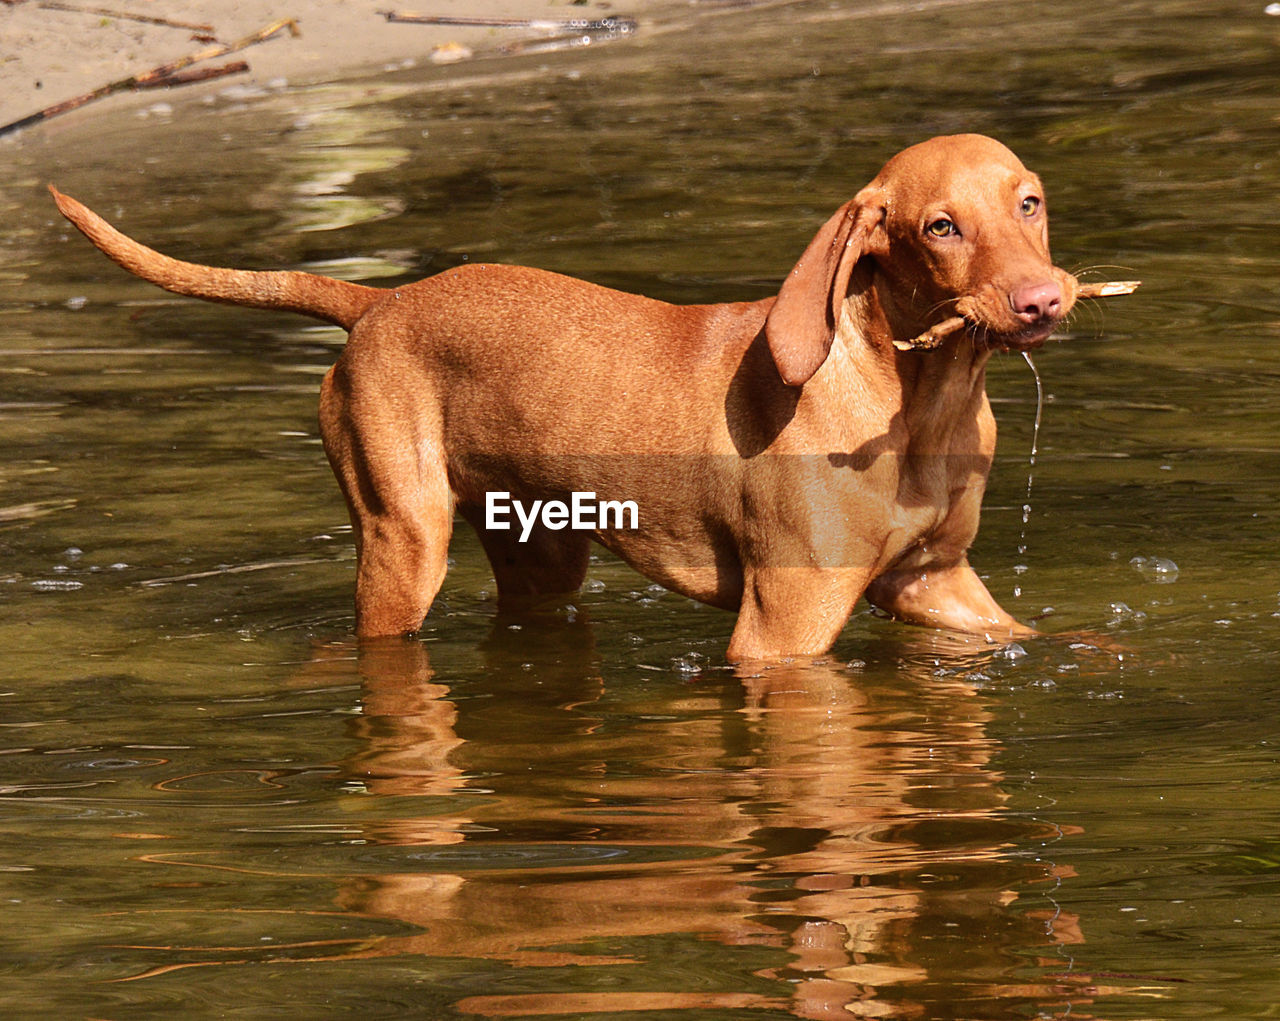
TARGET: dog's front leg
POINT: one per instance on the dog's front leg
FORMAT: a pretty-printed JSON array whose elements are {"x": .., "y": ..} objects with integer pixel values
[
  {"x": 945, "y": 596},
  {"x": 793, "y": 611}
]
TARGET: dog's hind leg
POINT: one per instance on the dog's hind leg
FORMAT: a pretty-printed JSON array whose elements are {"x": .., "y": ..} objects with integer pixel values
[{"x": 390, "y": 465}]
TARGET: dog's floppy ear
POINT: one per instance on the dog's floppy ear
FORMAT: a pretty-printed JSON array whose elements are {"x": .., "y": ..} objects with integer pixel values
[{"x": 802, "y": 322}]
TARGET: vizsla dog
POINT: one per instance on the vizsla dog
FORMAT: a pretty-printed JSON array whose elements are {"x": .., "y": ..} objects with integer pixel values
[{"x": 781, "y": 457}]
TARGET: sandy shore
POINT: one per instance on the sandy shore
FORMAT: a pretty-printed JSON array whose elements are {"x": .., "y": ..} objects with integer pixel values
[{"x": 52, "y": 54}]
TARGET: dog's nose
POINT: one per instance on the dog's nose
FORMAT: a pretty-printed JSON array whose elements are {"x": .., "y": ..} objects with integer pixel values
[{"x": 1037, "y": 302}]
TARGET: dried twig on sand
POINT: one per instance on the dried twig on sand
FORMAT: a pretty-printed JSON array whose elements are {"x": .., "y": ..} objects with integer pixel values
[
  {"x": 107, "y": 12},
  {"x": 935, "y": 335},
  {"x": 202, "y": 74},
  {"x": 156, "y": 76}
]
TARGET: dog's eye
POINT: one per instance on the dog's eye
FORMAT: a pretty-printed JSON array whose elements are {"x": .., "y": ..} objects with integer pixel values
[
  {"x": 1029, "y": 205},
  {"x": 942, "y": 227}
]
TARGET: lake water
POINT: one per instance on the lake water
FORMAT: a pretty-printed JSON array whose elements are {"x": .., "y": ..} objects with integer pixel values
[{"x": 213, "y": 804}]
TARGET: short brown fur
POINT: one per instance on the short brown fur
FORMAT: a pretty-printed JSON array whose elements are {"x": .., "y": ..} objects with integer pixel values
[{"x": 784, "y": 457}]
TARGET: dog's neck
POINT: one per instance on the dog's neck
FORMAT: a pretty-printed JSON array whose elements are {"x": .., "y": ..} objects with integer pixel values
[{"x": 940, "y": 388}]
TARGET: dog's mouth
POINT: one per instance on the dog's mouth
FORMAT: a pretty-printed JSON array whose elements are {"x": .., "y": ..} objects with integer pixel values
[
  {"x": 994, "y": 329},
  {"x": 1026, "y": 339},
  {"x": 1016, "y": 319}
]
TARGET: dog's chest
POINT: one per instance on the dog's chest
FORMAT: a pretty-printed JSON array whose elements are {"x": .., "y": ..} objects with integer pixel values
[{"x": 934, "y": 517}]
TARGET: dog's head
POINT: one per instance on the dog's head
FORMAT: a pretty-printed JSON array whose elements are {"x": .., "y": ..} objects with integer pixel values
[{"x": 952, "y": 226}]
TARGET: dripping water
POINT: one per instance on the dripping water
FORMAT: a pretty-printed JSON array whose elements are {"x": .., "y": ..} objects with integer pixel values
[{"x": 1021, "y": 568}]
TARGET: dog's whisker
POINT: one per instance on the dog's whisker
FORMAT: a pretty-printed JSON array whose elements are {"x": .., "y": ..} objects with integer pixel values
[
  {"x": 1100, "y": 267},
  {"x": 946, "y": 305}
]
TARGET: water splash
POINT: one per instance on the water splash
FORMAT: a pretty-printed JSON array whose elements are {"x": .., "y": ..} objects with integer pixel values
[{"x": 1031, "y": 469}]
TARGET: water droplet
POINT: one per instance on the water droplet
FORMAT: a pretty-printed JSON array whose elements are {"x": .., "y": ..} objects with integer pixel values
[
  {"x": 1012, "y": 651},
  {"x": 1160, "y": 570},
  {"x": 1123, "y": 611},
  {"x": 689, "y": 663}
]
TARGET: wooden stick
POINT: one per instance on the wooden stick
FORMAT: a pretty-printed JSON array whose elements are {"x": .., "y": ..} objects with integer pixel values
[
  {"x": 1109, "y": 289},
  {"x": 200, "y": 74},
  {"x": 620, "y": 25},
  {"x": 107, "y": 12},
  {"x": 155, "y": 75},
  {"x": 935, "y": 335}
]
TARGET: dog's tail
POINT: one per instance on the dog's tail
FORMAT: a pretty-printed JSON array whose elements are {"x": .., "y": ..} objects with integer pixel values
[{"x": 334, "y": 301}]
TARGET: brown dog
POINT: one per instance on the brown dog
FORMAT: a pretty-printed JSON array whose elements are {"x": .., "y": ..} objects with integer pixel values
[{"x": 779, "y": 458}]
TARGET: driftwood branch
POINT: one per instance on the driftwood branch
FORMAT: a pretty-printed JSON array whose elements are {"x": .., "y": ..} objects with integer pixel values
[
  {"x": 935, "y": 335},
  {"x": 156, "y": 76},
  {"x": 619, "y": 26},
  {"x": 200, "y": 74},
  {"x": 107, "y": 12}
]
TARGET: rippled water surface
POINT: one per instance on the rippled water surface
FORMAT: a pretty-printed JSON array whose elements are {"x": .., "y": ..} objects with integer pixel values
[{"x": 213, "y": 805}]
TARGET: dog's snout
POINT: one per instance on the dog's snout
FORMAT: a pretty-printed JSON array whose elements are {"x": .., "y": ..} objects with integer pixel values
[{"x": 1035, "y": 303}]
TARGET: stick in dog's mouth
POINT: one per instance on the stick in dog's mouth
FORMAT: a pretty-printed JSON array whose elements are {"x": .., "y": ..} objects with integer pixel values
[{"x": 935, "y": 335}]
